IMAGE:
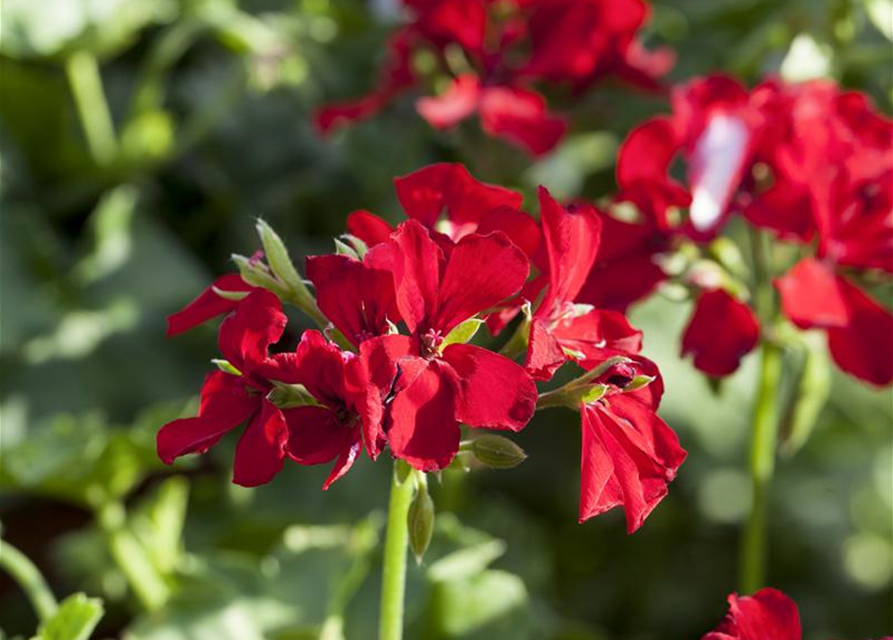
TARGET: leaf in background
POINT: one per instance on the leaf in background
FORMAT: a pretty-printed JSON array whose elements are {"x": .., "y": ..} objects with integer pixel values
[
  {"x": 52, "y": 28},
  {"x": 807, "y": 59},
  {"x": 880, "y": 12},
  {"x": 76, "y": 618},
  {"x": 111, "y": 235},
  {"x": 158, "y": 523},
  {"x": 462, "y": 605},
  {"x": 810, "y": 395}
]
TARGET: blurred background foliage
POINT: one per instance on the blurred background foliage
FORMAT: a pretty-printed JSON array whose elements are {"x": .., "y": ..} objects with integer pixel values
[{"x": 140, "y": 140}]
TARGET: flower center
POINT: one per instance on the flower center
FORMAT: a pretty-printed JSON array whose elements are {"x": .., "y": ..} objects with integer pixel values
[{"x": 431, "y": 341}]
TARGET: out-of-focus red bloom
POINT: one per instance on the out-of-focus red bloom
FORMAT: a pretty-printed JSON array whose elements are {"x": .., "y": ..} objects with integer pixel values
[
  {"x": 208, "y": 304},
  {"x": 228, "y": 399},
  {"x": 722, "y": 330},
  {"x": 355, "y": 296},
  {"x": 425, "y": 388},
  {"x": 766, "y": 615},
  {"x": 506, "y": 47},
  {"x": 559, "y": 328},
  {"x": 336, "y": 428},
  {"x": 859, "y": 330},
  {"x": 629, "y": 454}
]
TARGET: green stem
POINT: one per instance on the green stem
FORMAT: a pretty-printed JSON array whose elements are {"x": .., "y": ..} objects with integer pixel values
[
  {"x": 130, "y": 556},
  {"x": 764, "y": 434},
  {"x": 29, "y": 578},
  {"x": 393, "y": 582},
  {"x": 85, "y": 81},
  {"x": 762, "y": 466}
]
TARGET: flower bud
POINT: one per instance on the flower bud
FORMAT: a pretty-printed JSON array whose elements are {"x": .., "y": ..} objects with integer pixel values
[
  {"x": 497, "y": 452},
  {"x": 420, "y": 522}
]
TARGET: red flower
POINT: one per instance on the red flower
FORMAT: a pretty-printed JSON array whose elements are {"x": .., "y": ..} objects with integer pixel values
[
  {"x": 207, "y": 305},
  {"x": 721, "y": 331},
  {"x": 337, "y": 427},
  {"x": 629, "y": 454},
  {"x": 228, "y": 399},
  {"x": 571, "y": 237},
  {"x": 356, "y": 297},
  {"x": 425, "y": 388},
  {"x": 860, "y": 331},
  {"x": 766, "y": 615},
  {"x": 506, "y": 49}
]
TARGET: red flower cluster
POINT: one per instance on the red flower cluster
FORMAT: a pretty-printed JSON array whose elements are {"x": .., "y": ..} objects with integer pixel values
[
  {"x": 808, "y": 162},
  {"x": 766, "y": 615},
  {"x": 438, "y": 279},
  {"x": 492, "y": 52}
]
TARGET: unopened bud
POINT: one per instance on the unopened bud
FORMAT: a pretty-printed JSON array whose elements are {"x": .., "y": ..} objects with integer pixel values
[
  {"x": 420, "y": 522},
  {"x": 497, "y": 452}
]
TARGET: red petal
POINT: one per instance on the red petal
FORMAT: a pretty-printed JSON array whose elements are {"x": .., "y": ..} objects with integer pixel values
[
  {"x": 596, "y": 331},
  {"x": 767, "y": 615},
  {"x": 414, "y": 259},
  {"x": 429, "y": 192},
  {"x": 544, "y": 352},
  {"x": 316, "y": 363},
  {"x": 423, "y": 429},
  {"x": 333, "y": 116},
  {"x": 812, "y": 296},
  {"x": 520, "y": 116},
  {"x": 246, "y": 334},
  {"x": 519, "y": 226},
  {"x": 481, "y": 272},
  {"x": 785, "y": 210},
  {"x": 345, "y": 460},
  {"x": 368, "y": 227},
  {"x": 224, "y": 406},
  {"x": 261, "y": 448},
  {"x": 452, "y": 106},
  {"x": 721, "y": 331},
  {"x": 626, "y": 442},
  {"x": 375, "y": 377},
  {"x": 457, "y": 21},
  {"x": 864, "y": 347},
  {"x": 316, "y": 435},
  {"x": 495, "y": 392},
  {"x": 357, "y": 298},
  {"x": 572, "y": 236},
  {"x": 207, "y": 305}
]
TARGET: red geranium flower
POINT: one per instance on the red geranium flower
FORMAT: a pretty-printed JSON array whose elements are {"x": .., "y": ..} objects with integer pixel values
[
  {"x": 229, "y": 399},
  {"x": 766, "y": 615},
  {"x": 505, "y": 49},
  {"x": 629, "y": 454},
  {"x": 426, "y": 387},
  {"x": 559, "y": 327}
]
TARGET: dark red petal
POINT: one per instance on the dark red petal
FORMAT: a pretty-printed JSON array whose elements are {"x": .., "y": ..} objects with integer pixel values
[
  {"x": 333, "y": 116},
  {"x": 572, "y": 236},
  {"x": 316, "y": 435},
  {"x": 864, "y": 347},
  {"x": 452, "y": 106},
  {"x": 414, "y": 259},
  {"x": 345, "y": 460},
  {"x": 596, "y": 332},
  {"x": 449, "y": 188},
  {"x": 544, "y": 352},
  {"x": 767, "y": 615},
  {"x": 224, "y": 405},
  {"x": 520, "y": 116},
  {"x": 481, "y": 272},
  {"x": 519, "y": 226},
  {"x": 357, "y": 298},
  {"x": 721, "y": 331},
  {"x": 784, "y": 209},
  {"x": 368, "y": 227},
  {"x": 316, "y": 363},
  {"x": 494, "y": 391},
  {"x": 207, "y": 305},
  {"x": 261, "y": 448},
  {"x": 423, "y": 429},
  {"x": 812, "y": 297},
  {"x": 457, "y": 21},
  {"x": 247, "y": 333},
  {"x": 374, "y": 379},
  {"x": 625, "y": 440}
]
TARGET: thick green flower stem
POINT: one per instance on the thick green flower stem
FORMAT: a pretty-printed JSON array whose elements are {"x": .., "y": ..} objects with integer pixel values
[
  {"x": 396, "y": 547},
  {"x": 23, "y": 571},
  {"x": 764, "y": 439},
  {"x": 130, "y": 556},
  {"x": 85, "y": 81}
]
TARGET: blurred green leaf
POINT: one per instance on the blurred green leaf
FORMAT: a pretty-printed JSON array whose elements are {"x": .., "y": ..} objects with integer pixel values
[
  {"x": 462, "y": 605},
  {"x": 76, "y": 619}
]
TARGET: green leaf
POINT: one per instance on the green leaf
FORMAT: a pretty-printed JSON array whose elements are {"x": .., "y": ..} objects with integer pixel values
[
  {"x": 225, "y": 366},
  {"x": 807, "y": 59},
  {"x": 289, "y": 396},
  {"x": 76, "y": 619},
  {"x": 463, "y": 332},
  {"x": 880, "y": 12},
  {"x": 465, "y": 563},
  {"x": 158, "y": 523},
  {"x": 638, "y": 383},
  {"x": 111, "y": 228},
  {"x": 811, "y": 394},
  {"x": 463, "y": 605},
  {"x": 592, "y": 393}
]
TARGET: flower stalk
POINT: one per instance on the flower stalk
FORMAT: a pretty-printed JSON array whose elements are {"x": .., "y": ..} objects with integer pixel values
[
  {"x": 85, "y": 81},
  {"x": 393, "y": 582},
  {"x": 29, "y": 578}
]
